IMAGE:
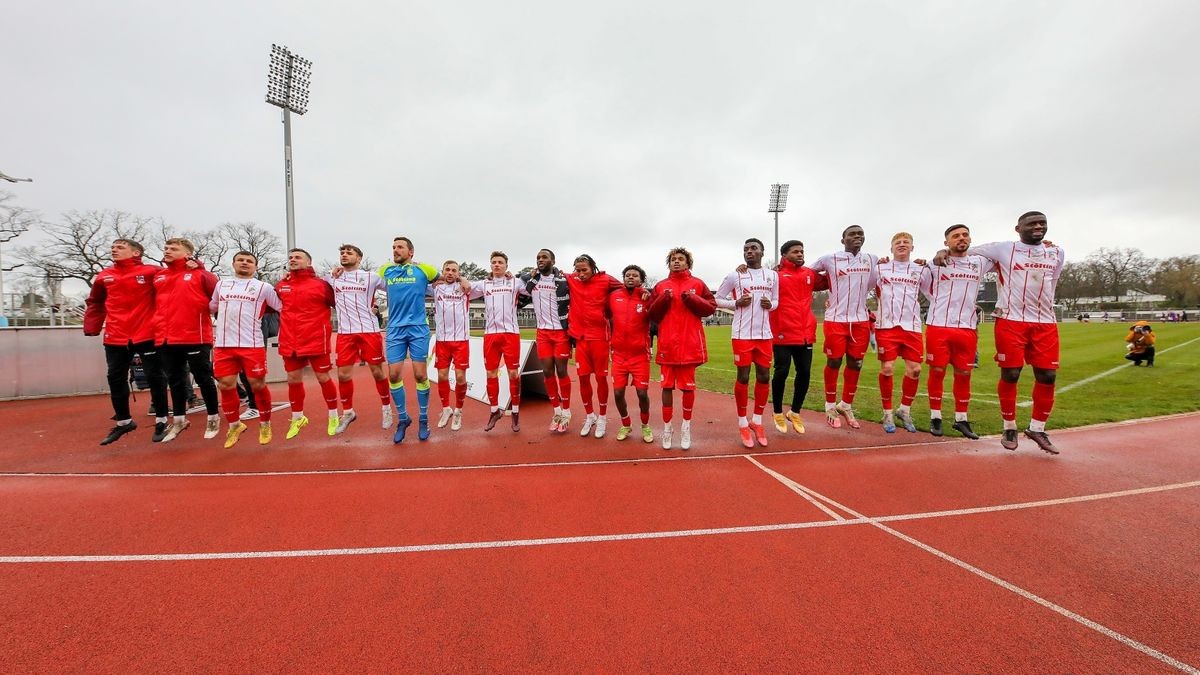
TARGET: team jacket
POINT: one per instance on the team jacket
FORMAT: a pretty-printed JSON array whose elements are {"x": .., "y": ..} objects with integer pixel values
[
  {"x": 304, "y": 328},
  {"x": 680, "y": 332},
  {"x": 122, "y": 302},
  {"x": 182, "y": 296},
  {"x": 587, "y": 319},
  {"x": 630, "y": 321},
  {"x": 793, "y": 322}
]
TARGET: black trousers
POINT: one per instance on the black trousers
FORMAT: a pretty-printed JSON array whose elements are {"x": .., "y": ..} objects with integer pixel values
[
  {"x": 1147, "y": 355},
  {"x": 118, "y": 359},
  {"x": 785, "y": 355},
  {"x": 198, "y": 358}
]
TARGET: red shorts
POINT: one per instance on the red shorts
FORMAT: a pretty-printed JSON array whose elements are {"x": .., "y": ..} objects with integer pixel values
[
  {"x": 843, "y": 338},
  {"x": 631, "y": 368},
  {"x": 591, "y": 356},
  {"x": 896, "y": 342},
  {"x": 319, "y": 362},
  {"x": 355, "y": 347},
  {"x": 456, "y": 352},
  {"x": 233, "y": 360},
  {"x": 501, "y": 346},
  {"x": 953, "y": 346},
  {"x": 1021, "y": 342},
  {"x": 758, "y": 352},
  {"x": 678, "y": 377},
  {"x": 553, "y": 344}
]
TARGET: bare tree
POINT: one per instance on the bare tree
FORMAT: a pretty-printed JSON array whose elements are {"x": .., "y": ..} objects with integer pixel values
[
  {"x": 1078, "y": 280},
  {"x": 263, "y": 243},
  {"x": 1120, "y": 269},
  {"x": 78, "y": 247},
  {"x": 211, "y": 245}
]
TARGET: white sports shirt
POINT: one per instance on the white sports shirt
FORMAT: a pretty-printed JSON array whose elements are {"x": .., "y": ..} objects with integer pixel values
[
  {"x": 354, "y": 297},
  {"x": 851, "y": 278},
  {"x": 1028, "y": 277},
  {"x": 239, "y": 306},
  {"x": 899, "y": 293},
  {"x": 952, "y": 290},
  {"x": 499, "y": 303},
  {"x": 450, "y": 303},
  {"x": 751, "y": 322}
]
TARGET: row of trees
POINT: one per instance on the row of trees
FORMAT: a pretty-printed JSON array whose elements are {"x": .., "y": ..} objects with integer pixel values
[{"x": 1111, "y": 272}]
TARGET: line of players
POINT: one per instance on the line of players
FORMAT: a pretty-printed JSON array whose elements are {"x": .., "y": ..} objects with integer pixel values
[{"x": 606, "y": 321}]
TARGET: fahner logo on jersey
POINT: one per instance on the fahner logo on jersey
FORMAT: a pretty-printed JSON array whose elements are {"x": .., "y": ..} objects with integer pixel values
[{"x": 854, "y": 270}]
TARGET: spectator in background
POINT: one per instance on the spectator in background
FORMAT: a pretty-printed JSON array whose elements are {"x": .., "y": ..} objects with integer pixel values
[{"x": 1140, "y": 344}]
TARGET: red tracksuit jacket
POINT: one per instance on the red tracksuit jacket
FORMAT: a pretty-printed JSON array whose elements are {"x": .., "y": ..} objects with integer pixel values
[
  {"x": 680, "y": 331},
  {"x": 586, "y": 319},
  {"x": 122, "y": 302},
  {"x": 630, "y": 321},
  {"x": 793, "y": 322},
  {"x": 182, "y": 296},
  {"x": 304, "y": 325}
]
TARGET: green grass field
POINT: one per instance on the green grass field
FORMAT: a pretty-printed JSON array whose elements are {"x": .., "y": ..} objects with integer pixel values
[{"x": 1088, "y": 349}]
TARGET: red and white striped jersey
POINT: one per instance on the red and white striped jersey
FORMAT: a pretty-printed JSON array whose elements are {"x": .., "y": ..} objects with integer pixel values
[
  {"x": 545, "y": 302},
  {"x": 354, "y": 297},
  {"x": 239, "y": 306},
  {"x": 899, "y": 294},
  {"x": 953, "y": 289},
  {"x": 450, "y": 303},
  {"x": 851, "y": 278},
  {"x": 499, "y": 303},
  {"x": 1028, "y": 277},
  {"x": 751, "y": 322}
]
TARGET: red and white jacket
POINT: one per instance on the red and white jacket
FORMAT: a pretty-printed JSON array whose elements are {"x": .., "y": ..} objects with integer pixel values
[
  {"x": 122, "y": 303},
  {"x": 304, "y": 326},
  {"x": 181, "y": 296},
  {"x": 680, "y": 331}
]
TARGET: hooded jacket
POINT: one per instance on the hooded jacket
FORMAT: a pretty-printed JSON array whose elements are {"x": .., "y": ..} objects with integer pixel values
[
  {"x": 122, "y": 303},
  {"x": 587, "y": 318},
  {"x": 680, "y": 331},
  {"x": 181, "y": 296},
  {"x": 793, "y": 322},
  {"x": 304, "y": 326},
  {"x": 630, "y": 321}
]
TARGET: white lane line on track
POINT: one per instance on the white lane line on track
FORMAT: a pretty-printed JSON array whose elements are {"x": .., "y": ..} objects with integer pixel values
[
  {"x": 1028, "y": 595},
  {"x": 858, "y": 519},
  {"x": 464, "y": 467},
  {"x": 795, "y": 487},
  {"x": 1088, "y": 380}
]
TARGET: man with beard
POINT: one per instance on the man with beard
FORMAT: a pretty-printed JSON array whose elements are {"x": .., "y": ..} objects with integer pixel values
[{"x": 551, "y": 298}]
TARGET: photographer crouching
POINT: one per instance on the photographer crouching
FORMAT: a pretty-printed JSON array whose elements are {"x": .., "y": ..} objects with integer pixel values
[{"x": 1140, "y": 344}]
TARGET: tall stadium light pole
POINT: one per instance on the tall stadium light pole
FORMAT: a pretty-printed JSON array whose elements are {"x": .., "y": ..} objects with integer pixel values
[
  {"x": 777, "y": 205},
  {"x": 287, "y": 88}
]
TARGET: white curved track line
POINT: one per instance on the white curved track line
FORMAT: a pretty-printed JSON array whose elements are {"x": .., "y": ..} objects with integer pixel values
[
  {"x": 857, "y": 519},
  {"x": 1028, "y": 595}
]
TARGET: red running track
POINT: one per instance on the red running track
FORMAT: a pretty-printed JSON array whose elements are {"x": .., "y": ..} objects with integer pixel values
[{"x": 537, "y": 552}]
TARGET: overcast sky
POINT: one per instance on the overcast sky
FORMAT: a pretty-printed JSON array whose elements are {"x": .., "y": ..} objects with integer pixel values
[{"x": 617, "y": 128}]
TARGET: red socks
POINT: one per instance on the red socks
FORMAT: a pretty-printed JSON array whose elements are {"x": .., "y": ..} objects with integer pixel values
[
  {"x": 886, "y": 388},
  {"x": 908, "y": 390},
  {"x": 493, "y": 391},
  {"x": 552, "y": 390},
  {"x": 602, "y": 394},
  {"x": 935, "y": 386},
  {"x": 1043, "y": 401},
  {"x": 514, "y": 391},
  {"x": 762, "y": 392},
  {"x": 296, "y": 396},
  {"x": 385, "y": 392},
  {"x": 230, "y": 404},
  {"x": 668, "y": 413},
  {"x": 346, "y": 393},
  {"x": 329, "y": 390},
  {"x": 689, "y": 399},
  {"x": 849, "y": 385},
  {"x": 585, "y": 392},
  {"x": 830, "y": 384},
  {"x": 460, "y": 393},
  {"x": 741, "y": 395},
  {"x": 444, "y": 391},
  {"x": 564, "y": 390},
  {"x": 962, "y": 392},
  {"x": 1007, "y": 393}
]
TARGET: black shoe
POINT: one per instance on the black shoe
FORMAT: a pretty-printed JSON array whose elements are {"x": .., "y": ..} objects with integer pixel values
[
  {"x": 117, "y": 432},
  {"x": 964, "y": 428},
  {"x": 160, "y": 430},
  {"x": 935, "y": 426},
  {"x": 1042, "y": 440},
  {"x": 1009, "y": 439},
  {"x": 516, "y": 420},
  {"x": 495, "y": 417}
]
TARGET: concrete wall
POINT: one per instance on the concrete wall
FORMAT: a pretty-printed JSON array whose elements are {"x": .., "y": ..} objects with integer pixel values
[{"x": 62, "y": 361}]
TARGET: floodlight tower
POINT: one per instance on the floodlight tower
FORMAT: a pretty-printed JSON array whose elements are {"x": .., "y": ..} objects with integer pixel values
[
  {"x": 287, "y": 87},
  {"x": 777, "y": 205}
]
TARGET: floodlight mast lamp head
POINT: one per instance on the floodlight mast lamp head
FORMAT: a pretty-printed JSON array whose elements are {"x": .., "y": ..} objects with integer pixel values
[
  {"x": 779, "y": 195},
  {"x": 288, "y": 79}
]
